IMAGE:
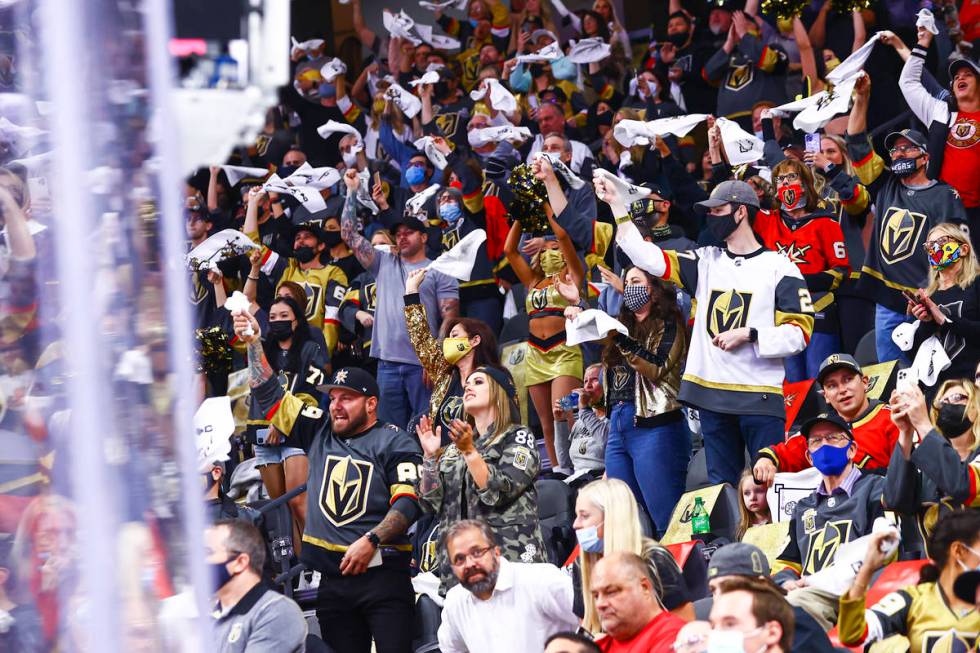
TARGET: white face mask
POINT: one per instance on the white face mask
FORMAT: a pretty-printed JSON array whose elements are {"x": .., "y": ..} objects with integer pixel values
[
  {"x": 731, "y": 641},
  {"x": 383, "y": 248},
  {"x": 478, "y": 138},
  {"x": 350, "y": 159}
]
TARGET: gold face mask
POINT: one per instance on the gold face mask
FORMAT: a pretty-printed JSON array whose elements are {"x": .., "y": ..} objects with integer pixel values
[
  {"x": 454, "y": 349},
  {"x": 552, "y": 261}
]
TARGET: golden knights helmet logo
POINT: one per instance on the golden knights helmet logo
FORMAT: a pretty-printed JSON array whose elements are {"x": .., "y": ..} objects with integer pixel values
[
  {"x": 727, "y": 310},
  {"x": 824, "y": 545},
  {"x": 345, "y": 488},
  {"x": 901, "y": 231},
  {"x": 739, "y": 77}
]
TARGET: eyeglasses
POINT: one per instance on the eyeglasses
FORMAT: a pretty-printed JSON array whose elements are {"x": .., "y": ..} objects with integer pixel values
[
  {"x": 833, "y": 439},
  {"x": 789, "y": 178},
  {"x": 939, "y": 242},
  {"x": 958, "y": 398},
  {"x": 903, "y": 149},
  {"x": 476, "y": 554}
]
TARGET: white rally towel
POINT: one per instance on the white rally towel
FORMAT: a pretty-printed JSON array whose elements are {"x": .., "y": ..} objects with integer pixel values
[
  {"x": 238, "y": 302},
  {"x": 546, "y": 54},
  {"x": 854, "y": 63},
  {"x": 332, "y": 68},
  {"x": 930, "y": 360},
  {"x": 236, "y": 173},
  {"x": 788, "y": 488},
  {"x": 819, "y": 109},
  {"x": 904, "y": 334},
  {"x": 408, "y": 103},
  {"x": 416, "y": 203},
  {"x": 440, "y": 41},
  {"x": 589, "y": 51},
  {"x": 925, "y": 19},
  {"x": 500, "y": 98},
  {"x": 363, "y": 195},
  {"x": 629, "y": 192},
  {"x": 305, "y": 46},
  {"x": 428, "y": 146},
  {"x": 318, "y": 178},
  {"x": 214, "y": 424},
  {"x": 638, "y": 132},
  {"x": 332, "y": 126},
  {"x": 430, "y": 77},
  {"x": 445, "y": 4},
  {"x": 458, "y": 262},
  {"x": 740, "y": 146},
  {"x": 400, "y": 25},
  {"x": 225, "y": 244},
  {"x": 561, "y": 169},
  {"x": 487, "y": 135},
  {"x": 591, "y": 325}
]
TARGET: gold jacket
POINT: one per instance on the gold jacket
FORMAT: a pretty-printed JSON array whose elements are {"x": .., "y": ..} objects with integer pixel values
[
  {"x": 429, "y": 351},
  {"x": 657, "y": 386}
]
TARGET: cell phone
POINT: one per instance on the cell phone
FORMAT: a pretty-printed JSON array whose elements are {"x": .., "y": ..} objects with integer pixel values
[
  {"x": 912, "y": 298},
  {"x": 377, "y": 178},
  {"x": 906, "y": 379},
  {"x": 261, "y": 435},
  {"x": 811, "y": 143}
]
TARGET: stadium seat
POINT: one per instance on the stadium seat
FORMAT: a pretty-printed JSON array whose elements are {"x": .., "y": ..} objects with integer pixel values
[
  {"x": 865, "y": 352},
  {"x": 697, "y": 471},
  {"x": 316, "y": 645},
  {"x": 694, "y": 568},
  {"x": 428, "y": 617},
  {"x": 556, "y": 512}
]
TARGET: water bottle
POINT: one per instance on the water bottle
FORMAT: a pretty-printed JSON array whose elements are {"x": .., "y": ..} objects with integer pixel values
[{"x": 700, "y": 522}]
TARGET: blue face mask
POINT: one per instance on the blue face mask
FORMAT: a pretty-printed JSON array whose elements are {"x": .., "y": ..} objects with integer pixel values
[
  {"x": 450, "y": 212},
  {"x": 415, "y": 175},
  {"x": 474, "y": 22},
  {"x": 327, "y": 90},
  {"x": 830, "y": 460},
  {"x": 589, "y": 540},
  {"x": 219, "y": 573}
]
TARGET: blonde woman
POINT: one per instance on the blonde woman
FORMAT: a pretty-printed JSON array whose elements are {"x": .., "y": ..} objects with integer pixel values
[
  {"x": 949, "y": 307},
  {"x": 607, "y": 520},
  {"x": 487, "y": 471},
  {"x": 939, "y": 474}
]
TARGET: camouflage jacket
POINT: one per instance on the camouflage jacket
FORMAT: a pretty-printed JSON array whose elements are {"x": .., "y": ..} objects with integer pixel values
[{"x": 509, "y": 503}]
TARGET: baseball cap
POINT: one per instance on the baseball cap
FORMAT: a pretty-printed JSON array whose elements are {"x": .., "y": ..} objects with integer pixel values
[
  {"x": 825, "y": 418},
  {"x": 308, "y": 226},
  {"x": 736, "y": 192},
  {"x": 965, "y": 586},
  {"x": 738, "y": 559},
  {"x": 409, "y": 221},
  {"x": 837, "y": 362},
  {"x": 916, "y": 137},
  {"x": 955, "y": 65},
  {"x": 353, "y": 378}
]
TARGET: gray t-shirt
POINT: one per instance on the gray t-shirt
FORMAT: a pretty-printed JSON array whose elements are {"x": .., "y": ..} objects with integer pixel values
[
  {"x": 263, "y": 621},
  {"x": 389, "y": 341}
]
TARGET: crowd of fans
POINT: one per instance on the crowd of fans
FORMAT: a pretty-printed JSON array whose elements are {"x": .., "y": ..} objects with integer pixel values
[{"x": 458, "y": 275}]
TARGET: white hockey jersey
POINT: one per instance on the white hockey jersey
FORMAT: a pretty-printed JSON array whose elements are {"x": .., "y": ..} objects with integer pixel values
[{"x": 762, "y": 290}]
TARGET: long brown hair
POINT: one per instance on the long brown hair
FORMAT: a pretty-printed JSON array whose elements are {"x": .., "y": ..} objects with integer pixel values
[
  {"x": 806, "y": 180},
  {"x": 663, "y": 307},
  {"x": 484, "y": 353}
]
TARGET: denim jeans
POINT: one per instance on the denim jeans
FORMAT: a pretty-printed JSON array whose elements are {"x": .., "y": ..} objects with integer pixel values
[
  {"x": 652, "y": 461},
  {"x": 403, "y": 394},
  {"x": 726, "y": 437},
  {"x": 885, "y": 322},
  {"x": 806, "y": 364}
]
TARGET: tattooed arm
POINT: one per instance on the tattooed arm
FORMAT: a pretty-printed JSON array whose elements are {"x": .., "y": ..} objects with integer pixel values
[
  {"x": 259, "y": 370},
  {"x": 448, "y": 308},
  {"x": 362, "y": 247}
]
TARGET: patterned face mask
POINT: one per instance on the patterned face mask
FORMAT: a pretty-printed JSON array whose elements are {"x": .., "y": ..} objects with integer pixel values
[
  {"x": 635, "y": 297},
  {"x": 943, "y": 256}
]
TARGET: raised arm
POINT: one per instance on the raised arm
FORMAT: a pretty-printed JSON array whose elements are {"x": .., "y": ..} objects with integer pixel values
[
  {"x": 364, "y": 33},
  {"x": 818, "y": 30},
  {"x": 567, "y": 247},
  {"x": 860, "y": 31},
  {"x": 361, "y": 246},
  {"x": 514, "y": 258},
  {"x": 807, "y": 56},
  {"x": 645, "y": 255},
  {"x": 556, "y": 196},
  {"x": 213, "y": 188}
]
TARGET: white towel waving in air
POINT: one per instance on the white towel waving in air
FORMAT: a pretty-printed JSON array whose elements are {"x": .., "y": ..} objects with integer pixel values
[{"x": 458, "y": 262}]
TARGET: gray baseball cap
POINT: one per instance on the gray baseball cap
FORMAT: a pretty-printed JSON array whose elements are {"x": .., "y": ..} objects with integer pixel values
[
  {"x": 738, "y": 559},
  {"x": 736, "y": 192}
]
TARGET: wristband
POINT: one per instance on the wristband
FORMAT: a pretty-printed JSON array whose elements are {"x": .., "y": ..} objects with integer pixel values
[
  {"x": 621, "y": 220},
  {"x": 753, "y": 334},
  {"x": 373, "y": 539},
  {"x": 253, "y": 278}
]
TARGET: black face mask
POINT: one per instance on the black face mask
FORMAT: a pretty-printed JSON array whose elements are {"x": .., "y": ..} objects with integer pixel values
[
  {"x": 537, "y": 70},
  {"x": 304, "y": 254},
  {"x": 604, "y": 119},
  {"x": 952, "y": 420},
  {"x": 280, "y": 330},
  {"x": 722, "y": 226},
  {"x": 905, "y": 167},
  {"x": 331, "y": 238},
  {"x": 678, "y": 39}
]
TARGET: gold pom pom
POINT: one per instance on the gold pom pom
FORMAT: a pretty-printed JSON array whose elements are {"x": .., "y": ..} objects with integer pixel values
[
  {"x": 784, "y": 8},
  {"x": 530, "y": 195}
]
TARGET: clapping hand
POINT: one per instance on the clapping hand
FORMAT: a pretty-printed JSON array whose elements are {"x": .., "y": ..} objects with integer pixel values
[
  {"x": 567, "y": 289},
  {"x": 461, "y": 434},
  {"x": 430, "y": 440}
]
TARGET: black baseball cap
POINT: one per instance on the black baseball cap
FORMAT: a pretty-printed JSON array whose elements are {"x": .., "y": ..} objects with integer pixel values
[
  {"x": 913, "y": 135},
  {"x": 738, "y": 559},
  {"x": 409, "y": 221},
  {"x": 826, "y": 418},
  {"x": 308, "y": 226},
  {"x": 955, "y": 65},
  {"x": 836, "y": 362},
  {"x": 353, "y": 378}
]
